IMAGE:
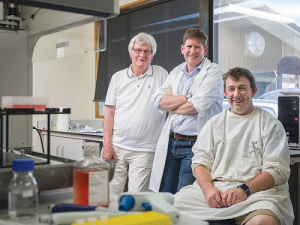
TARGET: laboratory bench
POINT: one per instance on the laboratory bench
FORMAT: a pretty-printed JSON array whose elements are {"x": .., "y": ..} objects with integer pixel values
[
  {"x": 69, "y": 144},
  {"x": 74, "y": 133},
  {"x": 66, "y": 196}
]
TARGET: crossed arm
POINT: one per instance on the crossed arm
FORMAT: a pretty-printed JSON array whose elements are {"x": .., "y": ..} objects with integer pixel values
[
  {"x": 217, "y": 199},
  {"x": 177, "y": 104}
]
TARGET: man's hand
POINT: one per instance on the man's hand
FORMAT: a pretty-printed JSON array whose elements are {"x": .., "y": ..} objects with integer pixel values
[
  {"x": 233, "y": 196},
  {"x": 214, "y": 197},
  {"x": 108, "y": 153}
]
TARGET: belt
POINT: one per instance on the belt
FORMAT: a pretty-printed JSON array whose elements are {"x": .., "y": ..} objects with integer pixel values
[{"x": 183, "y": 137}]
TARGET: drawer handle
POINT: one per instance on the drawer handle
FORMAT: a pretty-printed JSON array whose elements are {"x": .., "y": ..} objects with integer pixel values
[
  {"x": 63, "y": 151},
  {"x": 57, "y": 150}
]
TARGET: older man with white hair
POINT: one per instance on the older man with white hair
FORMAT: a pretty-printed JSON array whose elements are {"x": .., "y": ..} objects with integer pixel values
[{"x": 132, "y": 125}]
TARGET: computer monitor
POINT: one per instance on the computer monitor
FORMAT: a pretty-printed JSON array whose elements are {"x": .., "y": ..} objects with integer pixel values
[{"x": 288, "y": 115}]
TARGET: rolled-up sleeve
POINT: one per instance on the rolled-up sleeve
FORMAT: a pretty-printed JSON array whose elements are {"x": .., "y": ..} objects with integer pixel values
[
  {"x": 276, "y": 157},
  {"x": 156, "y": 97},
  {"x": 157, "y": 101}
]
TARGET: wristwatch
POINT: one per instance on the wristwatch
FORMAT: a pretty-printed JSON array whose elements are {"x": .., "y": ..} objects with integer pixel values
[
  {"x": 245, "y": 188},
  {"x": 188, "y": 95}
]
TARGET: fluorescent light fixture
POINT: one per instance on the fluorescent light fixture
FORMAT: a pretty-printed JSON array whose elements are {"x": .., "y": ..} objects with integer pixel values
[{"x": 260, "y": 14}]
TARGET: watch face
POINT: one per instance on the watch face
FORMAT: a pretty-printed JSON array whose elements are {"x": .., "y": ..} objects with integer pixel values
[
  {"x": 244, "y": 187},
  {"x": 188, "y": 95}
]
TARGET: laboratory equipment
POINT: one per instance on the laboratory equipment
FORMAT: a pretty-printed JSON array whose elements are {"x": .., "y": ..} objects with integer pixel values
[
  {"x": 145, "y": 218},
  {"x": 71, "y": 217},
  {"x": 25, "y": 102},
  {"x": 91, "y": 178},
  {"x": 144, "y": 201},
  {"x": 288, "y": 115},
  {"x": 23, "y": 190}
]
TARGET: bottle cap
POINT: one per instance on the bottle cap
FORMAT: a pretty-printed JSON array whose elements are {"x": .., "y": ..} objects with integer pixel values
[
  {"x": 127, "y": 202},
  {"x": 23, "y": 165}
]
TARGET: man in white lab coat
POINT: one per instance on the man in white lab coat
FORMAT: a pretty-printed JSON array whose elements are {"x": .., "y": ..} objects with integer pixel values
[
  {"x": 193, "y": 94},
  {"x": 241, "y": 163},
  {"x": 131, "y": 124}
]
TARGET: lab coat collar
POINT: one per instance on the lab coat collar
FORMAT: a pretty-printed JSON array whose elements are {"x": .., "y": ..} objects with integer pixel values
[{"x": 199, "y": 68}]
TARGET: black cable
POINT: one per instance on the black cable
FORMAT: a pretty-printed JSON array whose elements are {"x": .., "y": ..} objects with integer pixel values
[
  {"x": 33, "y": 15},
  {"x": 40, "y": 138}
]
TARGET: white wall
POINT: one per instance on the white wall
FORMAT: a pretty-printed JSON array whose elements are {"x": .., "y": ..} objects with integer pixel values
[{"x": 68, "y": 81}]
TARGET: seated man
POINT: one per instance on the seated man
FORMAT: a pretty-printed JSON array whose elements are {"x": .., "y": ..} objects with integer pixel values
[{"x": 241, "y": 163}]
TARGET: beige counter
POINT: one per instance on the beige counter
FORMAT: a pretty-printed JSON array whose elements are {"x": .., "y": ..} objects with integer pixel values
[
  {"x": 74, "y": 133},
  {"x": 69, "y": 144}
]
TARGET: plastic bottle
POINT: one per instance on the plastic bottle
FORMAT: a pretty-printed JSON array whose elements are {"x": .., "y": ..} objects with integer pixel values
[
  {"x": 91, "y": 178},
  {"x": 22, "y": 190}
]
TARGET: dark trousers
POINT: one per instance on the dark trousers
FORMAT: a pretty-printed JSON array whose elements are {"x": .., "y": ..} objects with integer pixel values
[
  {"x": 222, "y": 222},
  {"x": 178, "y": 172}
]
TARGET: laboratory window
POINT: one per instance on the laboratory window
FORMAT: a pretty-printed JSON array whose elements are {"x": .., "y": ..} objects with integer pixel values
[{"x": 263, "y": 36}]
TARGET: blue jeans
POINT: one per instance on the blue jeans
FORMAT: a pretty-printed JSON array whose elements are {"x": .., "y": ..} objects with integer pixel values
[{"x": 178, "y": 172}]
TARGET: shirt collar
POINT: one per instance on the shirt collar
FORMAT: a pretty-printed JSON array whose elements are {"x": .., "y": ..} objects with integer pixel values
[
  {"x": 148, "y": 72},
  {"x": 198, "y": 69}
]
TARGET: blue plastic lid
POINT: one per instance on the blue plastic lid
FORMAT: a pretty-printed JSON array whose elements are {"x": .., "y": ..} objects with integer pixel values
[
  {"x": 127, "y": 202},
  {"x": 23, "y": 165},
  {"x": 147, "y": 206}
]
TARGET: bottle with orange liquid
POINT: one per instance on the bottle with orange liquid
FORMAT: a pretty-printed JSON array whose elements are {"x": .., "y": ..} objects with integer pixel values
[{"x": 91, "y": 178}]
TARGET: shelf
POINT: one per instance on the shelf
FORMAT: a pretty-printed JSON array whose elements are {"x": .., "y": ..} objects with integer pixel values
[
  {"x": 20, "y": 111},
  {"x": 9, "y": 111}
]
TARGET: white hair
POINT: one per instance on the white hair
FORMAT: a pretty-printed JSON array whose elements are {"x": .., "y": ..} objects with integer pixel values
[{"x": 143, "y": 39}]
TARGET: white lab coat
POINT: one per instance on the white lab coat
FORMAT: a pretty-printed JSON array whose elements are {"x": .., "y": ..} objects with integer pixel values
[{"x": 207, "y": 100}]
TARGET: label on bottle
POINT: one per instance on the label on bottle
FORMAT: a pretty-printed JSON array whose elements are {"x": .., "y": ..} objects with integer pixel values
[
  {"x": 98, "y": 187},
  {"x": 27, "y": 193}
]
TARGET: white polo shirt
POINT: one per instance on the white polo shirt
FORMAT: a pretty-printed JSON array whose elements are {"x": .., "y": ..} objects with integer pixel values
[{"x": 137, "y": 124}]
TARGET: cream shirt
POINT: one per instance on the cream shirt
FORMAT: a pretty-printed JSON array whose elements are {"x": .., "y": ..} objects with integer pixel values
[
  {"x": 137, "y": 124},
  {"x": 242, "y": 147},
  {"x": 237, "y": 148}
]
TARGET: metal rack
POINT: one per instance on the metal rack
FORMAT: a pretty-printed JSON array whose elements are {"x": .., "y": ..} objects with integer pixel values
[{"x": 10, "y": 112}]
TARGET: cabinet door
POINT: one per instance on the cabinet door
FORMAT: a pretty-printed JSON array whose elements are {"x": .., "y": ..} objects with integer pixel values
[
  {"x": 68, "y": 148},
  {"x": 54, "y": 148}
]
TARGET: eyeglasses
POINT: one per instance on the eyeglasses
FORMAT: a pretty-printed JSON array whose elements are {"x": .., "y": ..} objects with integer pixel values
[{"x": 139, "y": 51}]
